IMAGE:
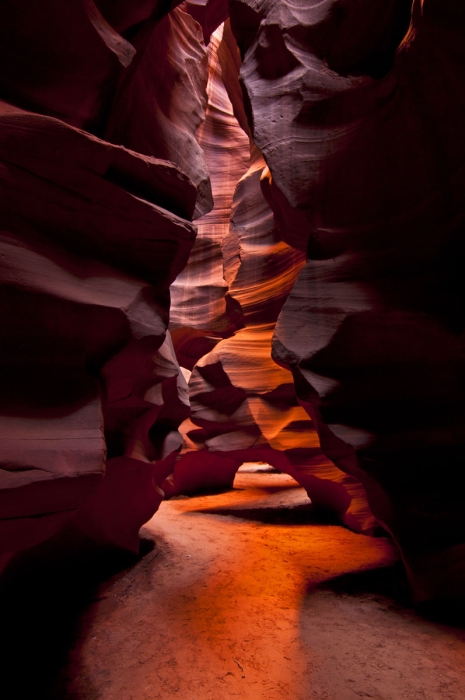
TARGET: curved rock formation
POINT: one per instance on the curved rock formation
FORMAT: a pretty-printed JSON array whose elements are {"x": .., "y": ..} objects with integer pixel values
[
  {"x": 60, "y": 58},
  {"x": 366, "y": 157},
  {"x": 160, "y": 99},
  {"x": 210, "y": 14},
  {"x": 89, "y": 249},
  {"x": 244, "y": 406},
  {"x": 125, "y": 16},
  {"x": 199, "y": 295},
  {"x": 105, "y": 159}
]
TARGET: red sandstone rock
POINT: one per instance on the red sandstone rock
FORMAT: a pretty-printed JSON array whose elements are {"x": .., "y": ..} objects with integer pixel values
[
  {"x": 199, "y": 295},
  {"x": 267, "y": 267},
  {"x": 365, "y": 160},
  {"x": 81, "y": 197},
  {"x": 201, "y": 470},
  {"x": 367, "y": 151},
  {"x": 146, "y": 400},
  {"x": 209, "y": 14},
  {"x": 160, "y": 100},
  {"x": 248, "y": 411},
  {"x": 202, "y": 311},
  {"x": 124, "y": 15},
  {"x": 230, "y": 60},
  {"x": 307, "y": 78},
  {"x": 60, "y": 58},
  {"x": 85, "y": 298},
  {"x": 244, "y": 406}
]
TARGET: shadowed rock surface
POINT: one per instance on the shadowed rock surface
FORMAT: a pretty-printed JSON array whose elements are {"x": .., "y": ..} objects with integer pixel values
[
  {"x": 365, "y": 157},
  {"x": 160, "y": 99},
  {"x": 92, "y": 235},
  {"x": 333, "y": 137}
]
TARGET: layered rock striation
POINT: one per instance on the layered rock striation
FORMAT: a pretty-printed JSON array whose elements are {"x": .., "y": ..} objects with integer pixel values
[
  {"x": 160, "y": 99},
  {"x": 200, "y": 294},
  {"x": 92, "y": 235},
  {"x": 335, "y": 235},
  {"x": 361, "y": 131},
  {"x": 243, "y": 406}
]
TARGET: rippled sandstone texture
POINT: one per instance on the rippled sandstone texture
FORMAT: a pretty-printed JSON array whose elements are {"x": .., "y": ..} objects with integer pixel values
[
  {"x": 200, "y": 298},
  {"x": 160, "y": 99},
  {"x": 92, "y": 235},
  {"x": 104, "y": 160},
  {"x": 366, "y": 173},
  {"x": 243, "y": 406}
]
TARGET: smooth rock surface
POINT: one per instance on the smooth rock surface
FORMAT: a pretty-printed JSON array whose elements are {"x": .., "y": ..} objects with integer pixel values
[
  {"x": 365, "y": 153},
  {"x": 84, "y": 310},
  {"x": 60, "y": 58},
  {"x": 243, "y": 405},
  {"x": 160, "y": 99}
]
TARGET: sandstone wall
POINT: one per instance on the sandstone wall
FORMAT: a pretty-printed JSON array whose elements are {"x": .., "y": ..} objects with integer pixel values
[
  {"x": 332, "y": 142},
  {"x": 365, "y": 156}
]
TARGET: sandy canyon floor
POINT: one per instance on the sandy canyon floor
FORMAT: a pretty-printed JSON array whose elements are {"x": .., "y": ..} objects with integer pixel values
[{"x": 243, "y": 594}]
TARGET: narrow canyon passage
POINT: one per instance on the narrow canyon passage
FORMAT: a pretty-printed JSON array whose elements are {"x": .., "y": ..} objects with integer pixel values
[
  {"x": 248, "y": 593},
  {"x": 232, "y": 349}
]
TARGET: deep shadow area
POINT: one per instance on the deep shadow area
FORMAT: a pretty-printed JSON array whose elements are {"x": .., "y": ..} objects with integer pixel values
[
  {"x": 294, "y": 515},
  {"x": 390, "y": 586},
  {"x": 43, "y": 595},
  {"x": 201, "y": 492},
  {"x": 386, "y": 582},
  {"x": 444, "y": 612}
]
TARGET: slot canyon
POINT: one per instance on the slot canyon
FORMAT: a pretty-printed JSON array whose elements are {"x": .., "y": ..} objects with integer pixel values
[{"x": 232, "y": 349}]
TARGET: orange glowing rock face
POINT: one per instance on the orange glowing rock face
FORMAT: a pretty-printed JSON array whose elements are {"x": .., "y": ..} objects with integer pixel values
[
  {"x": 248, "y": 410},
  {"x": 243, "y": 405}
]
